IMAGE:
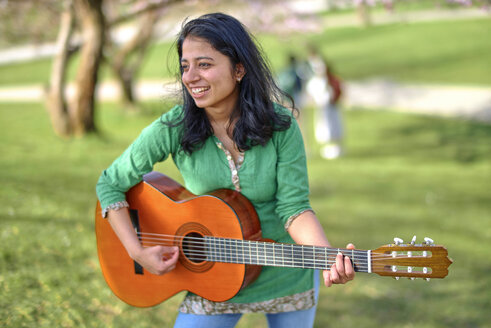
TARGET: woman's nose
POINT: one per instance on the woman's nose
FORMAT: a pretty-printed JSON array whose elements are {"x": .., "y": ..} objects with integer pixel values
[{"x": 190, "y": 75}]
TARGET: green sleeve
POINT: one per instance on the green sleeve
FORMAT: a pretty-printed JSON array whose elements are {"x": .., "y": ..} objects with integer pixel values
[
  {"x": 153, "y": 145},
  {"x": 292, "y": 195}
]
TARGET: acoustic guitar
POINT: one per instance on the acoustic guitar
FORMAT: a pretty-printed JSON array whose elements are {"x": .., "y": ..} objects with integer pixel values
[{"x": 221, "y": 248}]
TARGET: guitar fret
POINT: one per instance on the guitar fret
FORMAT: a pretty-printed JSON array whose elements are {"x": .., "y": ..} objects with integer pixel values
[
  {"x": 238, "y": 251},
  {"x": 308, "y": 257},
  {"x": 257, "y": 257},
  {"x": 218, "y": 249},
  {"x": 225, "y": 250},
  {"x": 237, "y": 259},
  {"x": 274, "y": 261},
  {"x": 248, "y": 250},
  {"x": 292, "y": 259},
  {"x": 268, "y": 254},
  {"x": 254, "y": 259},
  {"x": 314, "y": 258},
  {"x": 302, "y": 257},
  {"x": 222, "y": 250},
  {"x": 261, "y": 254},
  {"x": 230, "y": 251},
  {"x": 289, "y": 257},
  {"x": 297, "y": 255},
  {"x": 209, "y": 249},
  {"x": 326, "y": 259},
  {"x": 282, "y": 254},
  {"x": 353, "y": 257}
]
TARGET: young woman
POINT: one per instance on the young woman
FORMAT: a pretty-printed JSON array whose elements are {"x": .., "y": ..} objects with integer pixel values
[{"x": 229, "y": 132}]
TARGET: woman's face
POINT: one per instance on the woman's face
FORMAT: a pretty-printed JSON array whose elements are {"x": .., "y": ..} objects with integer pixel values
[{"x": 209, "y": 76}]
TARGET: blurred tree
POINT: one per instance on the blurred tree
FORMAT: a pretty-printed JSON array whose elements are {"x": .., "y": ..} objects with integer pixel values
[
  {"x": 125, "y": 59},
  {"x": 363, "y": 9},
  {"x": 76, "y": 117},
  {"x": 56, "y": 100}
]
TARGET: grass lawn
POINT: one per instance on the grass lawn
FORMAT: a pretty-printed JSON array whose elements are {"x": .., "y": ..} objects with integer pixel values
[
  {"x": 453, "y": 52},
  {"x": 403, "y": 175}
]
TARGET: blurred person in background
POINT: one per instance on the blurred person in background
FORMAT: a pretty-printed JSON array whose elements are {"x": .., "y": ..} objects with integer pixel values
[
  {"x": 325, "y": 89},
  {"x": 291, "y": 80}
]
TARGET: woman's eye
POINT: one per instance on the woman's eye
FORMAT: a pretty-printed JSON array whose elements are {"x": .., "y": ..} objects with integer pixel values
[{"x": 204, "y": 65}]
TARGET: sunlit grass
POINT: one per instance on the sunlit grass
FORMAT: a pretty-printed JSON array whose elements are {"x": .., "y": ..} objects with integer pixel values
[{"x": 402, "y": 175}]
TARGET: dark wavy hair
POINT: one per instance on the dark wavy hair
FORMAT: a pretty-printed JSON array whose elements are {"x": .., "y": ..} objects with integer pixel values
[{"x": 254, "y": 114}]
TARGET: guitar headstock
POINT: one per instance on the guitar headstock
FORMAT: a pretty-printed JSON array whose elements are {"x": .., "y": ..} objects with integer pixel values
[{"x": 411, "y": 260}]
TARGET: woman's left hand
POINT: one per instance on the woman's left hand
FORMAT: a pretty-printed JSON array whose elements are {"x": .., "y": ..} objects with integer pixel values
[{"x": 341, "y": 272}]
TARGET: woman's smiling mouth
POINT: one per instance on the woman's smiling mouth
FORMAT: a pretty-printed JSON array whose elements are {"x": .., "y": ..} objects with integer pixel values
[{"x": 199, "y": 91}]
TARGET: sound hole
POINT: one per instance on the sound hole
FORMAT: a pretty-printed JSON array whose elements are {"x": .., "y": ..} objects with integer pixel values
[{"x": 193, "y": 247}]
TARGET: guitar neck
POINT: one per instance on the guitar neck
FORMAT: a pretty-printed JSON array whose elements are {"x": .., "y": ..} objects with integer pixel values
[{"x": 281, "y": 255}]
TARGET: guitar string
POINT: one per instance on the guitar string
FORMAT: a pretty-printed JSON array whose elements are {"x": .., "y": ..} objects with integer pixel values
[
  {"x": 307, "y": 250},
  {"x": 312, "y": 265},
  {"x": 201, "y": 240},
  {"x": 242, "y": 255},
  {"x": 198, "y": 241},
  {"x": 230, "y": 248},
  {"x": 263, "y": 259},
  {"x": 202, "y": 256},
  {"x": 198, "y": 257}
]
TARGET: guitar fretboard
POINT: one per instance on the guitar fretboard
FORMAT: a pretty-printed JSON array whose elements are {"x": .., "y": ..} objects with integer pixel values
[{"x": 280, "y": 255}]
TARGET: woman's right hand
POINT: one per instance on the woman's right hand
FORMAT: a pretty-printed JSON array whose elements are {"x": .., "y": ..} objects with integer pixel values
[{"x": 157, "y": 259}]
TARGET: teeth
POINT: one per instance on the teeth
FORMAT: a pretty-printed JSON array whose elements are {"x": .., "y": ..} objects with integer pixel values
[{"x": 198, "y": 90}]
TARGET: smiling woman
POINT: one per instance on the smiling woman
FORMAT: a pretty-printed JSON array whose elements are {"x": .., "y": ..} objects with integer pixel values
[{"x": 229, "y": 133}]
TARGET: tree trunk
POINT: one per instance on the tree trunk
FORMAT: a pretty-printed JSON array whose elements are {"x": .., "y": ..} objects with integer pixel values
[
  {"x": 364, "y": 13},
  {"x": 82, "y": 106},
  {"x": 127, "y": 60},
  {"x": 56, "y": 101}
]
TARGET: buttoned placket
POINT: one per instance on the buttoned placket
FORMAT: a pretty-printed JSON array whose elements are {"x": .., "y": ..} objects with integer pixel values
[{"x": 234, "y": 167}]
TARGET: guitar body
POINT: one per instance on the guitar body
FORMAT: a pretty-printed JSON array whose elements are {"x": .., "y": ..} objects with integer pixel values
[{"x": 162, "y": 206}]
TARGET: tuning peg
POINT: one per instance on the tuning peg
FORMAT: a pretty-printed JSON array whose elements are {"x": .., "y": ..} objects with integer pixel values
[
  {"x": 398, "y": 241},
  {"x": 413, "y": 240},
  {"x": 425, "y": 270},
  {"x": 428, "y": 241}
]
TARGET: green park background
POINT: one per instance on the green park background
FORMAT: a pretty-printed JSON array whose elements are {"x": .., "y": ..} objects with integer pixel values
[{"x": 402, "y": 175}]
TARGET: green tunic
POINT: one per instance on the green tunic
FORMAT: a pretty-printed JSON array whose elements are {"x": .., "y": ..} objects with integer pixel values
[{"x": 273, "y": 177}]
